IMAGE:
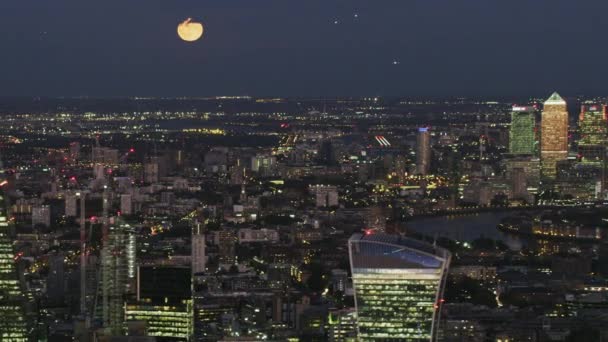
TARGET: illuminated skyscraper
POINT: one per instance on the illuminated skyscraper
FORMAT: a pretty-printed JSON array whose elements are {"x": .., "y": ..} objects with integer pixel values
[
  {"x": 199, "y": 259},
  {"x": 13, "y": 327},
  {"x": 593, "y": 128},
  {"x": 398, "y": 285},
  {"x": 522, "y": 137},
  {"x": 554, "y": 135},
  {"x": 164, "y": 303},
  {"x": 117, "y": 274},
  {"x": 423, "y": 151}
]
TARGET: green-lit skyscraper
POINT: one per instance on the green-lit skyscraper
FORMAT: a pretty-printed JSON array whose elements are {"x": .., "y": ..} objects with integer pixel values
[
  {"x": 398, "y": 285},
  {"x": 593, "y": 128},
  {"x": 522, "y": 137},
  {"x": 13, "y": 327}
]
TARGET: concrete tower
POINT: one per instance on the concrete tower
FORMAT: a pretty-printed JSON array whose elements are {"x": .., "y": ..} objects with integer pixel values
[{"x": 423, "y": 151}]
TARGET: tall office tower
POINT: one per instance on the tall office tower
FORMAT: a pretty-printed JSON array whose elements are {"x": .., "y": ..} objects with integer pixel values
[
  {"x": 118, "y": 274},
  {"x": 398, "y": 285},
  {"x": 13, "y": 326},
  {"x": 226, "y": 242},
  {"x": 198, "y": 249},
  {"x": 522, "y": 139},
  {"x": 554, "y": 135},
  {"x": 593, "y": 128},
  {"x": 164, "y": 303},
  {"x": 423, "y": 151}
]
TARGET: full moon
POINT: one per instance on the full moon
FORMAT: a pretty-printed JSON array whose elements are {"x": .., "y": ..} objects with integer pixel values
[{"x": 190, "y": 31}]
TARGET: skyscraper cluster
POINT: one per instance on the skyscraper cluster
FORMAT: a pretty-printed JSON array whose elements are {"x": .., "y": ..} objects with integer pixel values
[{"x": 570, "y": 160}]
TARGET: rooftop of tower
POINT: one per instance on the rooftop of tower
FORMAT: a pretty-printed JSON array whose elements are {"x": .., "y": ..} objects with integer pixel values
[
  {"x": 555, "y": 98},
  {"x": 379, "y": 249}
]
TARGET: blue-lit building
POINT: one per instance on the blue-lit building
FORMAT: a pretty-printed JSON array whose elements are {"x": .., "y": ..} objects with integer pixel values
[{"x": 398, "y": 285}]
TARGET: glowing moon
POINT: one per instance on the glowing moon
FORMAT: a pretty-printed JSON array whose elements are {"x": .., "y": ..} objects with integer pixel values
[{"x": 190, "y": 31}]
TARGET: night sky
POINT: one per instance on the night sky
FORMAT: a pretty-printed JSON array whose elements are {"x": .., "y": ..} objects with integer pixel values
[{"x": 295, "y": 48}]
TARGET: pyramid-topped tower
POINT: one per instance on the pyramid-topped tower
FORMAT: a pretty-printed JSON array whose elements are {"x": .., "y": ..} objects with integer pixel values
[{"x": 554, "y": 135}]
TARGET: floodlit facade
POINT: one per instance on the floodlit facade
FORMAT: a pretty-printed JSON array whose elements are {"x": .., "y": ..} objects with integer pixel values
[
  {"x": 398, "y": 285},
  {"x": 593, "y": 128},
  {"x": 13, "y": 327},
  {"x": 522, "y": 137},
  {"x": 554, "y": 135}
]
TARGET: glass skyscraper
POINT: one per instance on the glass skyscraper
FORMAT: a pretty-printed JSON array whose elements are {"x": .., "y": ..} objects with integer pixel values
[
  {"x": 398, "y": 285},
  {"x": 164, "y": 302},
  {"x": 117, "y": 274},
  {"x": 13, "y": 327},
  {"x": 522, "y": 137},
  {"x": 554, "y": 135},
  {"x": 593, "y": 129}
]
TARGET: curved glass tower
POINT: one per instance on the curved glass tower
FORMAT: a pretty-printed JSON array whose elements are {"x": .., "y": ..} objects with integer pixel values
[{"x": 398, "y": 285}]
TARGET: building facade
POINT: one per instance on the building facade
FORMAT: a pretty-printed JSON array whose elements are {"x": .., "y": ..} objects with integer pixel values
[
  {"x": 593, "y": 129},
  {"x": 13, "y": 326},
  {"x": 423, "y": 151},
  {"x": 398, "y": 284},
  {"x": 522, "y": 135},
  {"x": 554, "y": 135}
]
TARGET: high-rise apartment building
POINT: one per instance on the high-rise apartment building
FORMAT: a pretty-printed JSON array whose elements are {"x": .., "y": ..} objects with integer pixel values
[
  {"x": 593, "y": 129},
  {"x": 398, "y": 285},
  {"x": 554, "y": 135},
  {"x": 423, "y": 151},
  {"x": 522, "y": 137}
]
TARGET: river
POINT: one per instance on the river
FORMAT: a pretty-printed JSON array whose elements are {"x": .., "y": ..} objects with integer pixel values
[{"x": 467, "y": 228}]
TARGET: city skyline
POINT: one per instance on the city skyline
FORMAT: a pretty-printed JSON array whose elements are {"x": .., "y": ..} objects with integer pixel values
[{"x": 341, "y": 171}]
